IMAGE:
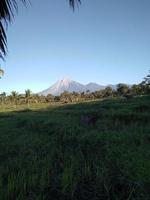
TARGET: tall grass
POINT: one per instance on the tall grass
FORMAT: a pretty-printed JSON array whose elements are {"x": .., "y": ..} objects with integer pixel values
[{"x": 47, "y": 153}]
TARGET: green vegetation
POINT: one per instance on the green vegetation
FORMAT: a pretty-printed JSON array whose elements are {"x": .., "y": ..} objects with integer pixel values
[
  {"x": 79, "y": 151},
  {"x": 122, "y": 90}
]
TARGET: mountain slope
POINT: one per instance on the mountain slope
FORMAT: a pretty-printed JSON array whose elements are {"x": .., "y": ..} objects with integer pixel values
[
  {"x": 64, "y": 85},
  {"x": 70, "y": 86},
  {"x": 94, "y": 87}
]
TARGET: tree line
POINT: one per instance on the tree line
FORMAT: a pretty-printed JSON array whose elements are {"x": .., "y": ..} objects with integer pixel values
[{"x": 121, "y": 90}]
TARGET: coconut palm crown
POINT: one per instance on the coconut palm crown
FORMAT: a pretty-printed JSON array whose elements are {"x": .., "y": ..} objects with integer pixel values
[{"x": 7, "y": 11}]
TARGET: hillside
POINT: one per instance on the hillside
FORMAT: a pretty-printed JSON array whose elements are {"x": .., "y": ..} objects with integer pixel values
[
  {"x": 70, "y": 86},
  {"x": 86, "y": 151}
]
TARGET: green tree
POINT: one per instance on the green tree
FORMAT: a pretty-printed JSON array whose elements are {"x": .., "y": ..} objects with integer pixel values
[
  {"x": 146, "y": 79},
  {"x": 89, "y": 96},
  {"x": 49, "y": 98},
  {"x": 14, "y": 97},
  {"x": 136, "y": 89},
  {"x": 57, "y": 98},
  {"x": 122, "y": 89},
  {"x": 65, "y": 97},
  {"x": 75, "y": 96},
  {"x": 145, "y": 84},
  {"x": 28, "y": 93},
  {"x": 2, "y": 97},
  {"x": 36, "y": 98},
  {"x": 108, "y": 92},
  {"x": 42, "y": 99},
  {"x": 28, "y": 96},
  {"x": 98, "y": 94}
]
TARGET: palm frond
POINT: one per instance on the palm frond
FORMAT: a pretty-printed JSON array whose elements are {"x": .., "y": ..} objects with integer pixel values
[
  {"x": 3, "y": 41},
  {"x": 7, "y": 11},
  {"x": 74, "y": 2}
]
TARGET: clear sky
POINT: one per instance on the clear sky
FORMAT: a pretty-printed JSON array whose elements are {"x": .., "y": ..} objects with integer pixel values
[{"x": 103, "y": 41}]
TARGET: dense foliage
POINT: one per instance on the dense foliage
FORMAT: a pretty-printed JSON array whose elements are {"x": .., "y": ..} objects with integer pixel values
[{"x": 122, "y": 90}]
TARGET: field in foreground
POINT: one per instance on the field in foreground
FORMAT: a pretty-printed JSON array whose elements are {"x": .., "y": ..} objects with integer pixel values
[{"x": 89, "y": 151}]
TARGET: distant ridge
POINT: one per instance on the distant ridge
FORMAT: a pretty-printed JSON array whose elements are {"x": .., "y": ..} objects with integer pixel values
[{"x": 71, "y": 86}]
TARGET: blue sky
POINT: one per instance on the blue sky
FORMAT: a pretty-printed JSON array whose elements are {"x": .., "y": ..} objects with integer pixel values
[{"x": 103, "y": 41}]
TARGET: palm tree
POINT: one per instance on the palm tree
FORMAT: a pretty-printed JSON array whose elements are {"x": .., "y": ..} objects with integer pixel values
[
  {"x": 28, "y": 96},
  {"x": 3, "y": 97},
  {"x": 28, "y": 93},
  {"x": 14, "y": 97},
  {"x": 122, "y": 89},
  {"x": 146, "y": 79},
  {"x": 7, "y": 11}
]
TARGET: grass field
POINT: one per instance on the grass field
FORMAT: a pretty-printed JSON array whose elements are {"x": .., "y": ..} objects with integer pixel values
[{"x": 97, "y": 150}]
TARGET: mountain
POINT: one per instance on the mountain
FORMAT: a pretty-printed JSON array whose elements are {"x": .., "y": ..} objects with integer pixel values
[
  {"x": 70, "y": 86},
  {"x": 92, "y": 87},
  {"x": 64, "y": 85}
]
